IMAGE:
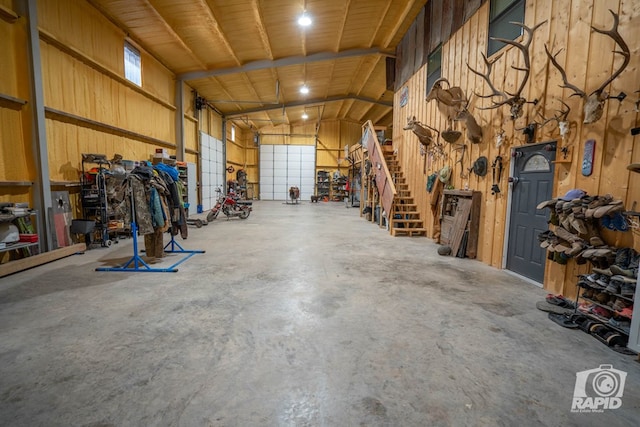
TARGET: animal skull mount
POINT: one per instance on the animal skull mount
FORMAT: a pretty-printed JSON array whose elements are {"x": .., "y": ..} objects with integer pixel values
[
  {"x": 594, "y": 102},
  {"x": 514, "y": 100},
  {"x": 500, "y": 137},
  {"x": 561, "y": 119}
]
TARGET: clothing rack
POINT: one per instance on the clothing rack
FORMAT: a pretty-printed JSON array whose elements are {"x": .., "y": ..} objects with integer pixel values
[{"x": 136, "y": 263}]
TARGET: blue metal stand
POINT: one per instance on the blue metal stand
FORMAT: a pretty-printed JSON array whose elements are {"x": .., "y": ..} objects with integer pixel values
[
  {"x": 136, "y": 263},
  {"x": 173, "y": 244}
]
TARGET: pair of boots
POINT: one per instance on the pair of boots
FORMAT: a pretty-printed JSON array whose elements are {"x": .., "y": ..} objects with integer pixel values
[{"x": 626, "y": 262}]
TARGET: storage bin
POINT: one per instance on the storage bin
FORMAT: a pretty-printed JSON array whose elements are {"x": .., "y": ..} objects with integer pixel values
[{"x": 82, "y": 226}]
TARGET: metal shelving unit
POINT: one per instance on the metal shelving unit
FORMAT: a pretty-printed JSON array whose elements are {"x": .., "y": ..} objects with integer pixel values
[{"x": 95, "y": 206}]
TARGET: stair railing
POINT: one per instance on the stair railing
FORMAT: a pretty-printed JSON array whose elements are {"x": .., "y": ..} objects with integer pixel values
[{"x": 383, "y": 179}]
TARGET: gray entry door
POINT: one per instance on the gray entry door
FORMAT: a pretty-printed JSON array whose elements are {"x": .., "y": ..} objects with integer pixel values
[{"x": 533, "y": 183}]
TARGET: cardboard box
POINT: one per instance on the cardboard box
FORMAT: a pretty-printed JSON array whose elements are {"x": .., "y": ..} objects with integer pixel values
[{"x": 161, "y": 153}]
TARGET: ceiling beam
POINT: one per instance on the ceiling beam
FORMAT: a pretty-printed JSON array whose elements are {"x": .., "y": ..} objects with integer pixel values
[
  {"x": 310, "y": 102},
  {"x": 264, "y": 37},
  {"x": 383, "y": 17},
  {"x": 366, "y": 113},
  {"x": 283, "y": 62},
  {"x": 213, "y": 19},
  {"x": 380, "y": 117},
  {"x": 387, "y": 118},
  {"x": 172, "y": 32},
  {"x": 364, "y": 76},
  {"x": 403, "y": 16},
  {"x": 344, "y": 23}
]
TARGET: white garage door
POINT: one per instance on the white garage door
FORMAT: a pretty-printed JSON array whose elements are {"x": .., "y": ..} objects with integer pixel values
[
  {"x": 213, "y": 171},
  {"x": 285, "y": 166}
]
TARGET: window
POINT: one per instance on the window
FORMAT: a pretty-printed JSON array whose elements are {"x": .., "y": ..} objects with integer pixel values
[
  {"x": 132, "y": 64},
  {"x": 434, "y": 70},
  {"x": 502, "y": 12},
  {"x": 537, "y": 163}
]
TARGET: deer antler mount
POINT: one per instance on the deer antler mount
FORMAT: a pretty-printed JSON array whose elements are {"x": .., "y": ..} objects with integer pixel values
[
  {"x": 594, "y": 102},
  {"x": 514, "y": 100}
]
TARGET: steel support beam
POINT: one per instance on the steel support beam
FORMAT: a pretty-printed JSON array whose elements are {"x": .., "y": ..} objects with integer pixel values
[
  {"x": 179, "y": 120},
  {"x": 42, "y": 183},
  {"x": 310, "y": 102},
  {"x": 283, "y": 62}
]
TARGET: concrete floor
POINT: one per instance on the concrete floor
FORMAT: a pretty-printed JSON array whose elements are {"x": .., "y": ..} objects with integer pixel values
[{"x": 302, "y": 315}]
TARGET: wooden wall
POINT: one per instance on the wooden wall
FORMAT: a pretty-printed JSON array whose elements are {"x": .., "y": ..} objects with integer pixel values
[
  {"x": 588, "y": 59},
  {"x": 89, "y": 106},
  {"x": 16, "y": 164},
  {"x": 434, "y": 25}
]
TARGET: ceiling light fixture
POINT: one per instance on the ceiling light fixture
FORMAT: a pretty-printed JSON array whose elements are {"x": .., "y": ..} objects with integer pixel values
[
  {"x": 305, "y": 116},
  {"x": 304, "y": 20},
  {"x": 304, "y": 90}
]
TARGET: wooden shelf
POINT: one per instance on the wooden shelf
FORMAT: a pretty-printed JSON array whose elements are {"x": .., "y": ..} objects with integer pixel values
[{"x": 20, "y": 245}]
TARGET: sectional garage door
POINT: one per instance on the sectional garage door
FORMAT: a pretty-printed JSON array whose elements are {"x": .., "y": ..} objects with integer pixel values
[
  {"x": 285, "y": 166},
  {"x": 213, "y": 170}
]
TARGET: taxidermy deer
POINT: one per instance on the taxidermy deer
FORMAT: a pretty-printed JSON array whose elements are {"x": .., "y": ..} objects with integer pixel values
[
  {"x": 594, "y": 102},
  {"x": 514, "y": 100},
  {"x": 452, "y": 103},
  {"x": 474, "y": 131},
  {"x": 424, "y": 135}
]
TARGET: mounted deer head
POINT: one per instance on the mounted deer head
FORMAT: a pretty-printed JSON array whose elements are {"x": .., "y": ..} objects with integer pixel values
[
  {"x": 514, "y": 100},
  {"x": 428, "y": 145},
  {"x": 450, "y": 101},
  {"x": 420, "y": 130},
  {"x": 474, "y": 131},
  {"x": 594, "y": 102}
]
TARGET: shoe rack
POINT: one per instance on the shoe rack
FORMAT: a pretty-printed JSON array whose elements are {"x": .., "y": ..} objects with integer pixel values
[
  {"x": 634, "y": 335},
  {"x": 609, "y": 302}
]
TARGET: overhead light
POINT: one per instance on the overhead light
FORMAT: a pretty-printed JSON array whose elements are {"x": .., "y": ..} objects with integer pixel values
[
  {"x": 304, "y": 90},
  {"x": 304, "y": 20},
  {"x": 305, "y": 116}
]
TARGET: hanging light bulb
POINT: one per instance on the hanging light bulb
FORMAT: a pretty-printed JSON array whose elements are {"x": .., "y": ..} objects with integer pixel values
[
  {"x": 304, "y": 90},
  {"x": 304, "y": 20},
  {"x": 305, "y": 116}
]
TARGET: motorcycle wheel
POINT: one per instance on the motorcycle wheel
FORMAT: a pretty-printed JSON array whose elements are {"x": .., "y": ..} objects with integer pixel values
[
  {"x": 244, "y": 214},
  {"x": 211, "y": 216}
]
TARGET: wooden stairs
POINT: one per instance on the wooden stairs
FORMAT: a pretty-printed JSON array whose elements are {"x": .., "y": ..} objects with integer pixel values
[{"x": 405, "y": 220}]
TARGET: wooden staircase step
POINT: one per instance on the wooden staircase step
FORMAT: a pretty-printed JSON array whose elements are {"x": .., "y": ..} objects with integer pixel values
[
  {"x": 407, "y": 213},
  {"x": 409, "y": 232},
  {"x": 407, "y": 221}
]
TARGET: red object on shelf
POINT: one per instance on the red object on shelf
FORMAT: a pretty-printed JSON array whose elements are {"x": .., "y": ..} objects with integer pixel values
[{"x": 29, "y": 238}]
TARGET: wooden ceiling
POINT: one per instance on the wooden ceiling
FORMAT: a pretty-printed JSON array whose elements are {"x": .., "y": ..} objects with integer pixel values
[{"x": 248, "y": 58}]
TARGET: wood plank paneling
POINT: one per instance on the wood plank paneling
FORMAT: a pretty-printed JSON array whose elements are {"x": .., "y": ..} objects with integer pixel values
[{"x": 588, "y": 59}]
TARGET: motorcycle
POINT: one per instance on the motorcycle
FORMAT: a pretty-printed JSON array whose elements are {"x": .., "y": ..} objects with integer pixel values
[{"x": 231, "y": 205}]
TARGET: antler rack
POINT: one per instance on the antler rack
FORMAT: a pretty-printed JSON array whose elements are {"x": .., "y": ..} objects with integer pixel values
[
  {"x": 594, "y": 102},
  {"x": 514, "y": 100}
]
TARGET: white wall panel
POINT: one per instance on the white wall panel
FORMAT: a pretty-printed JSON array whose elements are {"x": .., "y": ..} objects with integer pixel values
[
  {"x": 284, "y": 166},
  {"x": 213, "y": 169}
]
